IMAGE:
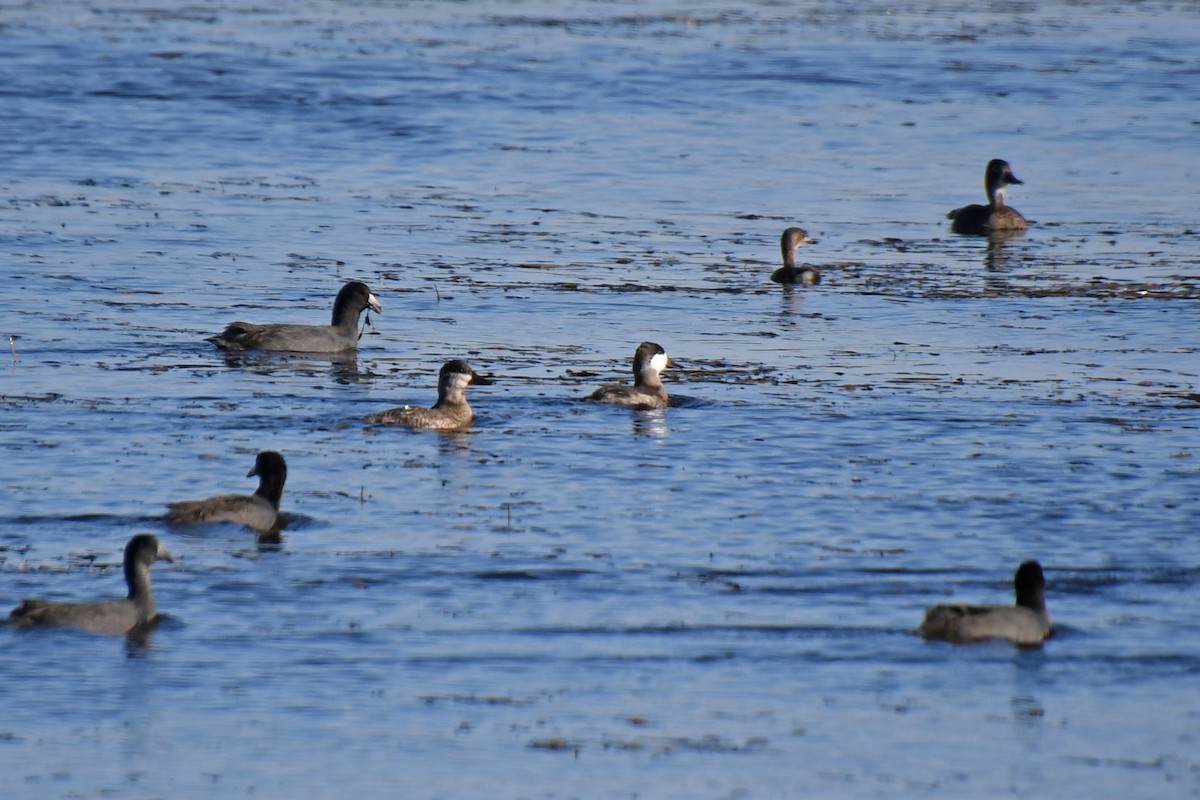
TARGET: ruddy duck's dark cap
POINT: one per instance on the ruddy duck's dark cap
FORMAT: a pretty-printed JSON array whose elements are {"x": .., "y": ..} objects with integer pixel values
[{"x": 462, "y": 368}]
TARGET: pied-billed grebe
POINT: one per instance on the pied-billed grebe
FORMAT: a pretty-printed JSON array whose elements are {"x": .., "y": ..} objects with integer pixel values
[{"x": 789, "y": 273}]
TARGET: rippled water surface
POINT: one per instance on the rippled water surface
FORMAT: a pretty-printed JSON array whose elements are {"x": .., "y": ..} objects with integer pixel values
[{"x": 715, "y": 600}]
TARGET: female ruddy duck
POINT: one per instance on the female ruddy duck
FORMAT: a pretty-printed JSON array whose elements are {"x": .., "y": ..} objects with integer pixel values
[
  {"x": 1026, "y": 623},
  {"x": 449, "y": 412},
  {"x": 647, "y": 390},
  {"x": 995, "y": 217},
  {"x": 789, "y": 273}
]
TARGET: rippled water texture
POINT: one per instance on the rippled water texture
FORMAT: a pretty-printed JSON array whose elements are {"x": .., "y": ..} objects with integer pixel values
[{"x": 715, "y": 600}]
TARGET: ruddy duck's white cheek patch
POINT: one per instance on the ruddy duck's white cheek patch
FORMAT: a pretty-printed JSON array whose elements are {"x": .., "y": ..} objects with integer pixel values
[{"x": 659, "y": 362}]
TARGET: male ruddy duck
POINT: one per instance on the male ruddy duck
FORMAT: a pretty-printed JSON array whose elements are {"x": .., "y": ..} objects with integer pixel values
[
  {"x": 995, "y": 217},
  {"x": 647, "y": 390},
  {"x": 449, "y": 412}
]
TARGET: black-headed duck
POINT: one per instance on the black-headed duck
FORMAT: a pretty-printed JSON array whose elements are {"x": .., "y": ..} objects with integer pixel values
[
  {"x": 1026, "y": 623},
  {"x": 137, "y": 609},
  {"x": 341, "y": 334}
]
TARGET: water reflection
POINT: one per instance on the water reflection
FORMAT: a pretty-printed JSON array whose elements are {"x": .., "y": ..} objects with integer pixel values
[
  {"x": 137, "y": 641},
  {"x": 650, "y": 422},
  {"x": 454, "y": 443},
  {"x": 135, "y": 711},
  {"x": 269, "y": 542},
  {"x": 342, "y": 367},
  {"x": 1028, "y": 711},
  {"x": 998, "y": 255},
  {"x": 999, "y": 260},
  {"x": 789, "y": 302}
]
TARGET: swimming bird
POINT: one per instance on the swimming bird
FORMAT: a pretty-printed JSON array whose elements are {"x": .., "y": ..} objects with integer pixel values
[
  {"x": 789, "y": 273},
  {"x": 259, "y": 511},
  {"x": 647, "y": 390},
  {"x": 449, "y": 412},
  {"x": 1026, "y": 623},
  {"x": 995, "y": 216},
  {"x": 105, "y": 616},
  {"x": 341, "y": 334}
]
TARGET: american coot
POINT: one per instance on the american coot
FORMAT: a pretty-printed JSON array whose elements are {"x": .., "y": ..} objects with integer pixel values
[
  {"x": 449, "y": 412},
  {"x": 995, "y": 216},
  {"x": 1026, "y": 623},
  {"x": 340, "y": 334},
  {"x": 647, "y": 390},
  {"x": 259, "y": 511},
  {"x": 105, "y": 616},
  {"x": 789, "y": 273}
]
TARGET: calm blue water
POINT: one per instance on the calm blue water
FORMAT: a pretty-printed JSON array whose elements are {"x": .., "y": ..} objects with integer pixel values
[{"x": 711, "y": 601}]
